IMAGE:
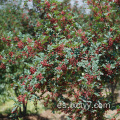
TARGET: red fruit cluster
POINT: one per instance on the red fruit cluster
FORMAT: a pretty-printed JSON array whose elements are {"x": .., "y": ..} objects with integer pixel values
[
  {"x": 63, "y": 13},
  {"x": 32, "y": 70},
  {"x": 37, "y": 85},
  {"x": 39, "y": 76},
  {"x": 20, "y": 45},
  {"x": 38, "y": 46},
  {"x": 58, "y": 68},
  {"x": 59, "y": 48},
  {"x": 48, "y": 4},
  {"x": 117, "y": 2},
  {"x": 38, "y": 24},
  {"x": 108, "y": 69},
  {"x": 89, "y": 78},
  {"x": 2, "y": 66},
  {"x": 73, "y": 61},
  {"x": 30, "y": 77},
  {"x": 64, "y": 67},
  {"x": 1, "y": 57},
  {"x": 44, "y": 63},
  {"x": 21, "y": 98},
  {"x": 30, "y": 88},
  {"x": 7, "y": 41},
  {"x": 16, "y": 39},
  {"x": 110, "y": 42},
  {"x": 11, "y": 54}
]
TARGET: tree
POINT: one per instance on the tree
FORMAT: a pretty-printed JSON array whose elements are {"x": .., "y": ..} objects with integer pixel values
[{"x": 61, "y": 58}]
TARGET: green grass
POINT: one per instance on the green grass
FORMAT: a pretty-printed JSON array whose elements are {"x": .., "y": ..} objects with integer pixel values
[
  {"x": 7, "y": 104},
  {"x": 5, "y": 108}
]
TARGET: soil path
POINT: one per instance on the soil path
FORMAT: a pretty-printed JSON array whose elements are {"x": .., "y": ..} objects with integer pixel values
[{"x": 48, "y": 113}]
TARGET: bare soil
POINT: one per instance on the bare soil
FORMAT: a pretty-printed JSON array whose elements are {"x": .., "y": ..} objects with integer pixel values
[{"x": 48, "y": 115}]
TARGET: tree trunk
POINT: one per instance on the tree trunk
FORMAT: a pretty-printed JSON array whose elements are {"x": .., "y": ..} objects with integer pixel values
[{"x": 24, "y": 109}]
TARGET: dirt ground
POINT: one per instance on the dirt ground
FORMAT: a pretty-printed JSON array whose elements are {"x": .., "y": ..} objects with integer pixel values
[{"x": 48, "y": 115}]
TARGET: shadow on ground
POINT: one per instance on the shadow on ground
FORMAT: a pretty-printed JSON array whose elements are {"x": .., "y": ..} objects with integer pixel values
[{"x": 27, "y": 117}]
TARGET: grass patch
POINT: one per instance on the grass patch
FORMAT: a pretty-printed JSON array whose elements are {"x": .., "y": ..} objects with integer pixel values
[{"x": 5, "y": 108}]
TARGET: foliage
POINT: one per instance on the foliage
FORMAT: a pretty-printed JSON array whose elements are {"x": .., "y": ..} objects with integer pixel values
[{"x": 59, "y": 56}]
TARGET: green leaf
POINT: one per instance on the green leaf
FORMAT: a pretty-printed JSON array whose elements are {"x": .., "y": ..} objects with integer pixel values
[{"x": 97, "y": 94}]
